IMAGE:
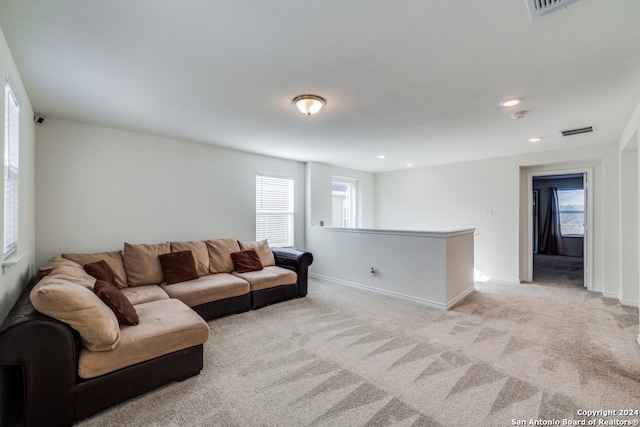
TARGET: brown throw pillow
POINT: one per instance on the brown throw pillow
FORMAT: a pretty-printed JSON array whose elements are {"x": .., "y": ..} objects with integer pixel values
[
  {"x": 246, "y": 261},
  {"x": 100, "y": 270},
  {"x": 113, "y": 297},
  {"x": 178, "y": 267}
]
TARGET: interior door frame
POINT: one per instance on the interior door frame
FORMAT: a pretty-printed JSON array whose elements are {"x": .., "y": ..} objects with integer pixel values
[{"x": 587, "y": 179}]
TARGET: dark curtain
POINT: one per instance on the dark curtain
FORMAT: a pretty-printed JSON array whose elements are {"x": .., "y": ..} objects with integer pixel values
[{"x": 551, "y": 241}]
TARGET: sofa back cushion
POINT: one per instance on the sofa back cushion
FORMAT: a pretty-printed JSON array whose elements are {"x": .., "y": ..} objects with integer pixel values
[
  {"x": 199, "y": 251},
  {"x": 264, "y": 251},
  {"x": 113, "y": 259},
  {"x": 220, "y": 251},
  {"x": 72, "y": 272},
  {"x": 78, "y": 307},
  {"x": 142, "y": 264},
  {"x": 55, "y": 262}
]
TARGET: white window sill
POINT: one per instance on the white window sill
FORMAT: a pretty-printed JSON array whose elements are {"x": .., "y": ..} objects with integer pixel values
[{"x": 12, "y": 260}]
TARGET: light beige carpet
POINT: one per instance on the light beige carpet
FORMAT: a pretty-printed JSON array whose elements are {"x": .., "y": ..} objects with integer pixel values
[{"x": 350, "y": 357}]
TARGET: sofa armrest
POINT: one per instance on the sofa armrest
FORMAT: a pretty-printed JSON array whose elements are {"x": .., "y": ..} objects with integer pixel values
[
  {"x": 296, "y": 260},
  {"x": 47, "y": 352}
]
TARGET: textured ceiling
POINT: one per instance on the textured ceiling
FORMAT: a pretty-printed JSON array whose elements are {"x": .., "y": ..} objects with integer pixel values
[{"x": 419, "y": 81}]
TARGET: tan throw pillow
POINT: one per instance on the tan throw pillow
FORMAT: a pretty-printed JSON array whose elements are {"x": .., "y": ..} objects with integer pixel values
[
  {"x": 220, "y": 251},
  {"x": 100, "y": 270},
  {"x": 113, "y": 297},
  {"x": 246, "y": 261},
  {"x": 264, "y": 251},
  {"x": 199, "y": 251},
  {"x": 178, "y": 267},
  {"x": 142, "y": 264},
  {"x": 81, "y": 309},
  {"x": 113, "y": 258}
]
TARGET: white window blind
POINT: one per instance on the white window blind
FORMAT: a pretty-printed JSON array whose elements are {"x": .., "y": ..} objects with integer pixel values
[
  {"x": 274, "y": 210},
  {"x": 11, "y": 169}
]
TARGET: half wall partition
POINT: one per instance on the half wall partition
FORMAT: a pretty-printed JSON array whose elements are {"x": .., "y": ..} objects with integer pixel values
[{"x": 435, "y": 267}]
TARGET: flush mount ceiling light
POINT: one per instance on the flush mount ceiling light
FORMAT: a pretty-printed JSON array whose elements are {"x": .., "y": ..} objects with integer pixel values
[
  {"x": 510, "y": 102},
  {"x": 309, "y": 104}
]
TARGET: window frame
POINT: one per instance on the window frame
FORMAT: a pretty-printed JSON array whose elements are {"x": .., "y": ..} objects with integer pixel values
[
  {"x": 11, "y": 170},
  {"x": 266, "y": 214},
  {"x": 352, "y": 218}
]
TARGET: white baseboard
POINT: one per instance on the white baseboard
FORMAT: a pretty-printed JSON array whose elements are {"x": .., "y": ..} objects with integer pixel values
[
  {"x": 610, "y": 295},
  {"x": 459, "y": 298},
  {"x": 381, "y": 291},
  {"x": 629, "y": 303},
  {"x": 504, "y": 280}
]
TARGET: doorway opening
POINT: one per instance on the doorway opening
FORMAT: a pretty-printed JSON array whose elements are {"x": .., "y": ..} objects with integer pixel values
[{"x": 559, "y": 228}]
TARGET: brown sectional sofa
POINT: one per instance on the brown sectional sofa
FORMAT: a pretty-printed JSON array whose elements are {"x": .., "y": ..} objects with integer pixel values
[{"x": 70, "y": 357}]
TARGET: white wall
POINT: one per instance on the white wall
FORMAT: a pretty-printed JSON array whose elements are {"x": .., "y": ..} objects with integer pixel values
[
  {"x": 629, "y": 144},
  {"x": 487, "y": 195},
  {"x": 98, "y": 187},
  {"x": 319, "y": 199},
  {"x": 629, "y": 224},
  {"x": 481, "y": 195}
]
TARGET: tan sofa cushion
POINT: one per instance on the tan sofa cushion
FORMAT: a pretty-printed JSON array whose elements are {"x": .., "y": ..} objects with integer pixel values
[
  {"x": 142, "y": 264},
  {"x": 113, "y": 258},
  {"x": 74, "y": 273},
  {"x": 54, "y": 262},
  {"x": 264, "y": 251},
  {"x": 209, "y": 288},
  {"x": 80, "y": 308},
  {"x": 268, "y": 277},
  {"x": 165, "y": 326},
  {"x": 220, "y": 251},
  {"x": 199, "y": 251},
  {"x": 147, "y": 293}
]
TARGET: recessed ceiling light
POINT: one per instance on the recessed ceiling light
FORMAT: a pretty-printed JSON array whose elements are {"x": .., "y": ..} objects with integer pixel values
[
  {"x": 535, "y": 139},
  {"x": 409, "y": 165},
  {"x": 510, "y": 102},
  {"x": 381, "y": 156}
]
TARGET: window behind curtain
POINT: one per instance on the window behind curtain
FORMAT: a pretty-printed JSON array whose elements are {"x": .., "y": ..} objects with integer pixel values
[
  {"x": 571, "y": 209},
  {"x": 274, "y": 210},
  {"x": 11, "y": 163}
]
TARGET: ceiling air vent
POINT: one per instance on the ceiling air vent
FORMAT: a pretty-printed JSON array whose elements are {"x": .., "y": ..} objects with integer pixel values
[
  {"x": 577, "y": 131},
  {"x": 539, "y": 8}
]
